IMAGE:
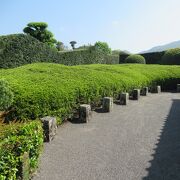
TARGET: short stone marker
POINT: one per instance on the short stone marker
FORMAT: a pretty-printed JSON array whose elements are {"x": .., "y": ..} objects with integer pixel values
[
  {"x": 144, "y": 91},
  {"x": 156, "y": 89},
  {"x": 49, "y": 127},
  {"x": 107, "y": 104},
  {"x": 85, "y": 113},
  {"x": 178, "y": 87},
  {"x": 136, "y": 94},
  {"x": 124, "y": 98},
  {"x": 25, "y": 166}
]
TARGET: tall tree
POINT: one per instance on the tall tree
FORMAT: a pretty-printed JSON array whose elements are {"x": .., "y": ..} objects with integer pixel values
[{"x": 40, "y": 32}]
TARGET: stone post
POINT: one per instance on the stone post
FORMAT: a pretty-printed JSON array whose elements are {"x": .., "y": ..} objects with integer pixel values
[
  {"x": 156, "y": 89},
  {"x": 144, "y": 91},
  {"x": 107, "y": 104},
  {"x": 49, "y": 127},
  {"x": 178, "y": 87},
  {"x": 85, "y": 113},
  {"x": 136, "y": 94},
  {"x": 124, "y": 98},
  {"x": 25, "y": 167}
]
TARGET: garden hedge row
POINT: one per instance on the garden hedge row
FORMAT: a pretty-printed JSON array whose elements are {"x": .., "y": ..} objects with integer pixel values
[
  {"x": 171, "y": 57},
  {"x": 153, "y": 58},
  {"x": 15, "y": 140},
  {"x": 51, "y": 89},
  {"x": 20, "y": 49}
]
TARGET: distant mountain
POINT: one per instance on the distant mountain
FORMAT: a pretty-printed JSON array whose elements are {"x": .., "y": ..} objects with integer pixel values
[{"x": 175, "y": 44}]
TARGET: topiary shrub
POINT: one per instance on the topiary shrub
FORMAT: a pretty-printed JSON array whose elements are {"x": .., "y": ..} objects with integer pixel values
[
  {"x": 134, "y": 58},
  {"x": 171, "y": 57},
  {"x": 6, "y": 95}
]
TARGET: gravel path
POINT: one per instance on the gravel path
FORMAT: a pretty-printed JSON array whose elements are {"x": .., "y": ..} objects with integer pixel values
[{"x": 140, "y": 141}]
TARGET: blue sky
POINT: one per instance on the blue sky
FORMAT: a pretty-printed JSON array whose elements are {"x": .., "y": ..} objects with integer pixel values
[{"x": 133, "y": 25}]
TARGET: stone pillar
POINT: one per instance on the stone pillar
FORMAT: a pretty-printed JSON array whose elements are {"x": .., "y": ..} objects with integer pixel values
[
  {"x": 156, "y": 89},
  {"x": 144, "y": 91},
  {"x": 49, "y": 127},
  {"x": 178, "y": 87},
  {"x": 107, "y": 104},
  {"x": 124, "y": 98},
  {"x": 85, "y": 113},
  {"x": 25, "y": 167},
  {"x": 136, "y": 94}
]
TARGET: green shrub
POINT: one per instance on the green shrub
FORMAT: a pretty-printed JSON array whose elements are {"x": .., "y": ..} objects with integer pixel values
[
  {"x": 6, "y": 95},
  {"x": 171, "y": 57},
  {"x": 134, "y": 58},
  {"x": 15, "y": 139},
  {"x": 153, "y": 57},
  {"x": 51, "y": 89}
]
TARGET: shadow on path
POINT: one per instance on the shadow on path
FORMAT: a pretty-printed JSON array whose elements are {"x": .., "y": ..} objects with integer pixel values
[{"x": 165, "y": 164}]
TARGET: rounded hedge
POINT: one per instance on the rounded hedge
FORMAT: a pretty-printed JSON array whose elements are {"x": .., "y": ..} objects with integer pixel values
[
  {"x": 171, "y": 57},
  {"x": 134, "y": 58},
  {"x": 6, "y": 95}
]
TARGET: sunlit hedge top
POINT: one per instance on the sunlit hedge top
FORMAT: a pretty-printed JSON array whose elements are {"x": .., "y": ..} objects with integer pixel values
[{"x": 51, "y": 89}]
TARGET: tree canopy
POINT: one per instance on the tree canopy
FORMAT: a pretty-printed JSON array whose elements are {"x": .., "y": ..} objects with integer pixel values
[
  {"x": 39, "y": 31},
  {"x": 103, "y": 47}
]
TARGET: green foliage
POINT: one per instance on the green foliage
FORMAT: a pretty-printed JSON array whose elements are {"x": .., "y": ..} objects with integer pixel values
[
  {"x": 15, "y": 139},
  {"x": 6, "y": 95},
  {"x": 50, "y": 89},
  {"x": 60, "y": 46},
  {"x": 153, "y": 58},
  {"x": 171, "y": 57},
  {"x": 134, "y": 58},
  {"x": 111, "y": 59},
  {"x": 39, "y": 31},
  {"x": 20, "y": 49},
  {"x": 116, "y": 52},
  {"x": 102, "y": 47}
]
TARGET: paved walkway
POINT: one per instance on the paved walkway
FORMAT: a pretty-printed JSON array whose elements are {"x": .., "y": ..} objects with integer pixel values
[{"x": 140, "y": 141}]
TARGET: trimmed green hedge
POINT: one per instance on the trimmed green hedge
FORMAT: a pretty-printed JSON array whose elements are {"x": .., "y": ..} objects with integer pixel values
[
  {"x": 50, "y": 89},
  {"x": 153, "y": 58},
  {"x": 134, "y": 58},
  {"x": 77, "y": 57},
  {"x": 111, "y": 59},
  {"x": 171, "y": 57},
  {"x": 20, "y": 49},
  {"x": 15, "y": 139}
]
